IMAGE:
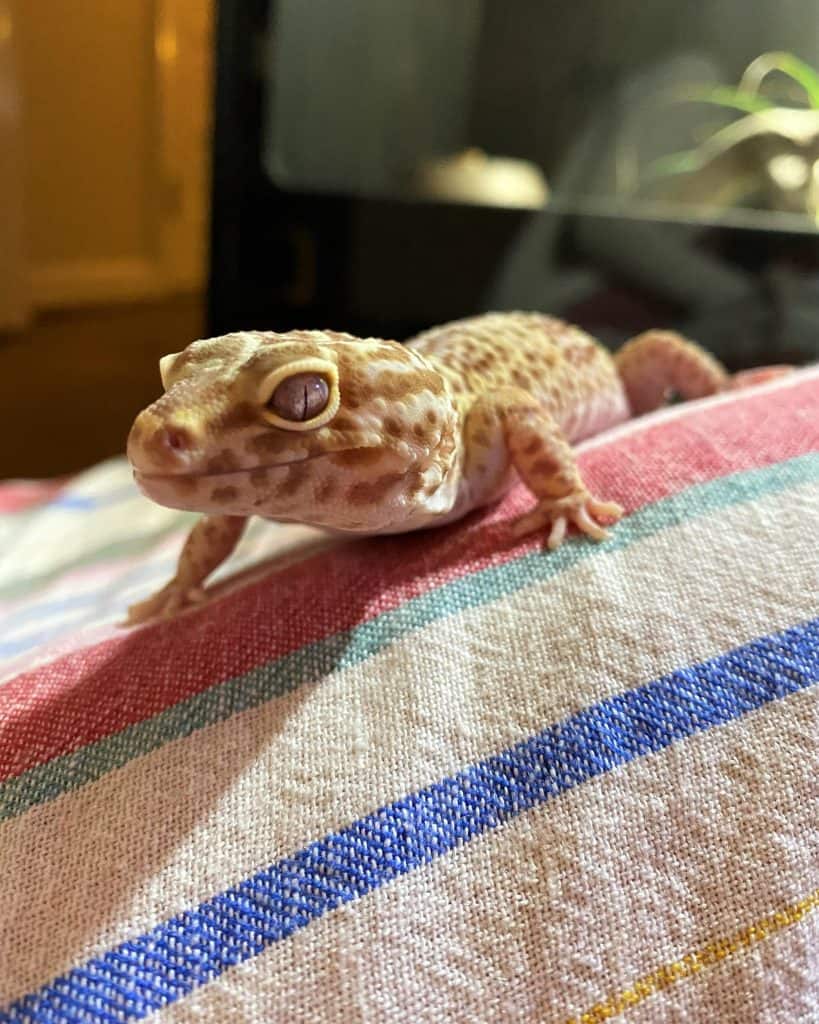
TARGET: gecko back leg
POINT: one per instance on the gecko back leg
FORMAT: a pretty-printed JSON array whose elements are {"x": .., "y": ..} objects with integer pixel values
[{"x": 657, "y": 363}]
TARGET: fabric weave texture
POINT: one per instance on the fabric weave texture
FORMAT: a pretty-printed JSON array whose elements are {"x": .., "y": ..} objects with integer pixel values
[{"x": 437, "y": 777}]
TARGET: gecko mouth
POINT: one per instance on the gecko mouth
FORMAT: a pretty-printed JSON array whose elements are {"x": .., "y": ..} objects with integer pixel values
[{"x": 241, "y": 471}]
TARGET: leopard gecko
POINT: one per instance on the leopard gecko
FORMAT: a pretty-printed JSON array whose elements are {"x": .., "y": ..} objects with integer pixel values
[{"x": 368, "y": 436}]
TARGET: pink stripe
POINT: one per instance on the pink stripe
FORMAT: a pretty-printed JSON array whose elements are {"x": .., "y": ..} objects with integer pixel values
[
  {"x": 18, "y": 495},
  {"x": 100, "y": 690}
]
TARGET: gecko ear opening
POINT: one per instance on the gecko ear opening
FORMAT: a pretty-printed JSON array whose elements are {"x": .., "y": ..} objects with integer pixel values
[
  {"x": 165, "y": 366},
  {"x": 302, "y": 395}
]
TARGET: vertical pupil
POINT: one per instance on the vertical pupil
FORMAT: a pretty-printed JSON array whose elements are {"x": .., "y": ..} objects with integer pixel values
[{"x": 300, "y": 397}]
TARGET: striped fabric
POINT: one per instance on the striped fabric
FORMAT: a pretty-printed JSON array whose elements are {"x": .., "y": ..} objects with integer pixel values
[{"x": 437, "y": 777}]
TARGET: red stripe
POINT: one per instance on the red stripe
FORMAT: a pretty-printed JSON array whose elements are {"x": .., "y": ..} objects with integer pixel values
[
  {"x": 92, "y": 693},
  {"x": 18, "y": 495}
]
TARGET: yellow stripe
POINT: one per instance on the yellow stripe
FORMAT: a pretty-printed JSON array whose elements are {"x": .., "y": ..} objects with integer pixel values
[{"x": 693, "y": 963}]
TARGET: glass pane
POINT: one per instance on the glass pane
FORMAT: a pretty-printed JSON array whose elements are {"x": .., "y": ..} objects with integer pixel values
[{"x": 706, "y": 111}]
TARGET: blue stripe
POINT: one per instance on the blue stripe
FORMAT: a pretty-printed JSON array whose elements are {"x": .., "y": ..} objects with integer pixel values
[
  {"x": 79, "y": 603},
  {"x": 195, "y": 947},
  {"x": 74, "y": 502}
]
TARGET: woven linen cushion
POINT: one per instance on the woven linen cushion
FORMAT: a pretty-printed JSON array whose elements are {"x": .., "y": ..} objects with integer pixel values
[{"x": 437, "y": 777}]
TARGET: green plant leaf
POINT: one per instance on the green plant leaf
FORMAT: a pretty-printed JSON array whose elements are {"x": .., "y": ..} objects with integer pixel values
[
  {"x": 801, "y": 73},
  {"x": 673, "y": 163},
  {"x": 726, "y": 96}
]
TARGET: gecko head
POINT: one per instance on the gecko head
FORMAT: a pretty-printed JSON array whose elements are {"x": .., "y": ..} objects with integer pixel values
[{"x": 306, "y": 426}]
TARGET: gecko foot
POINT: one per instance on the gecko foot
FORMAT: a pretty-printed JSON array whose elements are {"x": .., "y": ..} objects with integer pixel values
[
  {"x": 580, "y": 509},
  {"x": 167, "y": 602}
]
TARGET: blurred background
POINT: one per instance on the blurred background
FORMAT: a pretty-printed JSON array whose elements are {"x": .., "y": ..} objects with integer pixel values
[{"x": 171, "y": 169}]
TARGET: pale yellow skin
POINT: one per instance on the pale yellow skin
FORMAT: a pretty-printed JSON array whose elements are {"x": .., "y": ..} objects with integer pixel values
[{"x": 412, "y": 435}]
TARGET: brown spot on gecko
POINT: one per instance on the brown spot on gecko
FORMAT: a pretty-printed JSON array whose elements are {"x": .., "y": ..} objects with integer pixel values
[
  {"x": 358, "y": 457},
  {"x": 423, "y": 433},
  {"x": 224, "y": 462},
  {"x": 580, "y": 352},
  {"x": 343, "y": 421},
  {"x": 545, "y": 467},
  {"x": 357, "y": 392},
  {"x": 480, "y": 438},
  {"x": 241, "y": 414},
  {"x": 296, "y": 475},
  {"x": 222, "y": 495},
  {"x": 393, "y": 384},
  {"x": 259, "y": 477},
  {"x": 272, "y": 442},
  {"x": 364, "y": 493},
  {"x": 326, "y": 490},
  {"x": 431, "y": 381},
  {"x": 186, "y": 484}
]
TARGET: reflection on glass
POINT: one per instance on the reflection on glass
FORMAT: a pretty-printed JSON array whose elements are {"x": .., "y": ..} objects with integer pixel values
[
  {"x": 766, "y": 156},
  {"x": 669, "y": 110},
  {"x": 475, "y": 177}
]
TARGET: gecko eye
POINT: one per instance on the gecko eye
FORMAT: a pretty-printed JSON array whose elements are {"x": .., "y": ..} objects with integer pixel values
[{"x": 300, "y": 397}]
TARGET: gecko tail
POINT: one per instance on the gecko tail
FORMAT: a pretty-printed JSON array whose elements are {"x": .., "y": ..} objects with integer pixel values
[
  {"x": 658, "y": 364},
  {"x": 758, "y": 375}
]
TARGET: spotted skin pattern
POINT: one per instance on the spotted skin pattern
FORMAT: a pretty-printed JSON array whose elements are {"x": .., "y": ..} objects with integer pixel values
[{"x": 412, "y": 435}]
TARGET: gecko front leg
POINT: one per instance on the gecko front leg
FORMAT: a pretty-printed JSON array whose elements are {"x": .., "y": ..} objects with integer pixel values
[
  {"x": 208, "y": 545},
  {"x": 545, "y": 462}
]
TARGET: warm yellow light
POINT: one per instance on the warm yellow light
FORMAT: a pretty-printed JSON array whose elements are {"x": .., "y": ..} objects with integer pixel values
[
  {"x": 165, "y": 46},
  {"x": 6, "y": 26}
]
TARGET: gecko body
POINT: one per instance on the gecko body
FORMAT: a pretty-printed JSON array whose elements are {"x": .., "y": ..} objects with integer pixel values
[{"x": 368, "y": 436}]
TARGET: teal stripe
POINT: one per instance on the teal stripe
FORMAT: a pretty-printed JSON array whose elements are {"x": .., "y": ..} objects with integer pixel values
[
  {"x": 351, "y": 647},
  {"x": 168, "y": 962}
]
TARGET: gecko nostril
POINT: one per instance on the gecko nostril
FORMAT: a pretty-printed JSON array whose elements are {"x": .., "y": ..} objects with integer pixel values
[{"x": 174, "y": 440}]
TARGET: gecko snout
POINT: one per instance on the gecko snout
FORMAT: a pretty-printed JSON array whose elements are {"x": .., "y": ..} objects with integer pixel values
[{"x": 160, "y": 447}]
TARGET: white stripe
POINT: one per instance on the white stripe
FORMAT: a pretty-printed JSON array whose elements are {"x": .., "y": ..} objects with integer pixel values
[
  {"x": 185, "y": 821},
  {"x": 542, "y": 918}
]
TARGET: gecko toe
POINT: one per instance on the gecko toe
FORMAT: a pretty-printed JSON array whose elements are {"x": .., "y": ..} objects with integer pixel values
[
  {"x": 555, "y": 515},
  {"x": 557, "y": 534},
  {"x": 584, "y": 522}
]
